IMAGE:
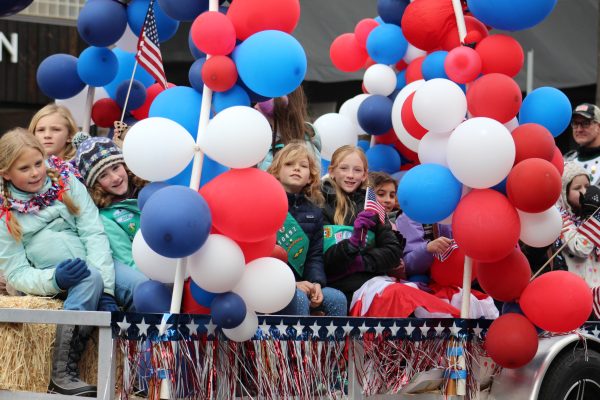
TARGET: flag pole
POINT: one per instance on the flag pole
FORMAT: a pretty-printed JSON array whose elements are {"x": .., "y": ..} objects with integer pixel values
[
  {"x": 89, "y": 103},
  {"x": 129, "y": 90}
]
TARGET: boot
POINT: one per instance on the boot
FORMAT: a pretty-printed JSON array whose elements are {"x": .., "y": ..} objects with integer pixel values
[{"x": 68, "y": 348}]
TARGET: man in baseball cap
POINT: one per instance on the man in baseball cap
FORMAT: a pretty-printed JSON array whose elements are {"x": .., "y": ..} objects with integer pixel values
[{"x": 585, "y": 124}]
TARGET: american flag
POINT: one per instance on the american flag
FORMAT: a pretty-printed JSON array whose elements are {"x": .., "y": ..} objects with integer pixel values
[
  {"x": 443, "y": 256},
  {"x": 148, "y": 48},
  {"x": 591, "y": 229},
  {"x": 372, "y": 204}
]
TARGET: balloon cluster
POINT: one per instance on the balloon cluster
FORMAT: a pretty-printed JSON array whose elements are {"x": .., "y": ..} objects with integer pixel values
[
  {"x": 487, "y": 162},
  {"x": 226, "y": 231}
]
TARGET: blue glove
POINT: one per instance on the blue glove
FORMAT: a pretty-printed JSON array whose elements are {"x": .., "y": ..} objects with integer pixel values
[
  {"x": 68, "y": 273},
  {"x": 107, "y": 303}
]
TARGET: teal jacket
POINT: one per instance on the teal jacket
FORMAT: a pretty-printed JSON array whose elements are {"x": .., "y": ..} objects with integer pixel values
[
  {"x": 121, "y": 222},
  {"x": 52, "y": 235}
]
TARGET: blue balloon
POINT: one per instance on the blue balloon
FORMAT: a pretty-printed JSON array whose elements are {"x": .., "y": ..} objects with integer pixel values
[
  {"x": 228, "y": 310},
  {"x": 383, "y": 158},
  {"x": 195, "y": 74},
  {"x": 401, "y": 79},
  {"x": 196, "y": 52},
  {"x": 386, "y": 44},
  {"x": 364, "y": 144},
  {"x": 201, "y": 296},
  {"x": 210, "y": 170},
  {"x": 10, "y": 7},
  {"x": 137, "y": 95},
  {"x": 254, "y": 97},
  {"x": 271, "y": 63},
  {"x": 57, "y": 76},
  {"x": 548, "y": 107},
  {"x": 511, "y": 15},
  {"x": 428, "y": 193},
  {"x": 102, "y": 23},
  {"x": 148, "y": 191},
  {"x": 375, "y": 114},
  {"x": 176, "y": 221},
  {"x": 152, "y": 297},
  {"x": 181, "y": 104},
  {"x": 97, "y": 66},
  {"x": 126, "y": 63},
  {"x": 433, "y": 65},
  {"x": 325, "y": 166},
  {"x": 501, "y": 187},
  {"x": 419, "y": 278},
  {"x": 136, "y": 14},
  {"x": 183, "y": 10},
  {"x": 391, "y": 11},
  {"x": 236, "y": 96}
]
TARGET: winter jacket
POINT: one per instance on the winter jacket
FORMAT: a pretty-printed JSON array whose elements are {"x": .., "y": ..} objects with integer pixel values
[
  {"x": 348, "y": 267},
  {"x": 52, "y": 235},
  {"x": 121, "y": 222},
  {"x": 310, "y": 219}
]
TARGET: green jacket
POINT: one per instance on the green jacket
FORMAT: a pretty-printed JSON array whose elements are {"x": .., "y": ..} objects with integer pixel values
[
  {"x": 52, "y": 235},
  {"x": 121, "y": 222}
]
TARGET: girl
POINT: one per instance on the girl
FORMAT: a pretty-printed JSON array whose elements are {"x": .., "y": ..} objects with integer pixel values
[
  {"x": 55, "y": 127},
  {"x": 302, "y": 232},
  {"x": 360, "y": 249},
  {"x": 52, "y": 243}
]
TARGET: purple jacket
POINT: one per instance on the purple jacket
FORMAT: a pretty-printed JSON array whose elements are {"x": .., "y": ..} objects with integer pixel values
[{"x": 416, "y": 257}]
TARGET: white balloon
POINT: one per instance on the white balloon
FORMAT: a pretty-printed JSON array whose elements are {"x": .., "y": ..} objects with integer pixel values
[
  {"x": 128, "y": 41},
  {"x": 540, "y": 229},
  {"x": 481, "y": 152},
  {"x": 380, "y": 79},
  {"x": 512, "y": 124},
  {"x": 350, "y": 110},
  {"x": 246, "y": 330},
  {"x": 77, "y": 103},
  {"x": 218, "y": 265},
  {"x": 439, "y": 105},
  {"x": 152, "y": 264},
  {"x": 237, "y": 137},
  {"x": 336, "y": 130},
  {"x": 432, "y": 148},
  {"x": 413, "y": 52},
  {"x": 157, "y": 149},
  {"x": 268, "y": 285},
  {"x": 406, "y": 138}
]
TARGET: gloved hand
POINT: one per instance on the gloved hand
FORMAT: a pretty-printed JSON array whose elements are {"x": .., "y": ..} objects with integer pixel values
[
  {"x": 107, "y": 303},
  {"x": 68, "y": 273},
  {"x": 362, "y": 223},
  {"x": 590, "y": 201}
]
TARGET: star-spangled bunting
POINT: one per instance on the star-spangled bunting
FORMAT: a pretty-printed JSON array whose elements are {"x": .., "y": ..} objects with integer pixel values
[{"x": 148, "y": 48}]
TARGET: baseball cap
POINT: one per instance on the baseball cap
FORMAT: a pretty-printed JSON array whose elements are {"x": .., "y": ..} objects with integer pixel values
[{"x": 587, "y": 110}]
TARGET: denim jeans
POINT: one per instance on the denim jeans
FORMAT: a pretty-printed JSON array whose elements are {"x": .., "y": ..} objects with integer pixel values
[
  {"x": 84, "y": 295},
  {"x": 334, "y": 303},
  {"x": 126, "y": 280}
]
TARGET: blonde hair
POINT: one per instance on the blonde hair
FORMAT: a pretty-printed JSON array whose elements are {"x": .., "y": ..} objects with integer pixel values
[
  {"x": 293, "y": 152},
  {"x": 71, "y": 125},
  {"x": 344, "y": 207},
  {"x": 103, "y": 199},
  {"x": 12, "y": 144}
]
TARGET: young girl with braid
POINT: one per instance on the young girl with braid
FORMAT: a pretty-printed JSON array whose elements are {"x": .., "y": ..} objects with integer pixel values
[{"x": 52, "y": 243}]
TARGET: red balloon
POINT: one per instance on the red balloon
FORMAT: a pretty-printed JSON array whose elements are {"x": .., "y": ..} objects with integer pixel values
[
  {"x": 387, "y": 138},
  {"x": 505, "y": 279},
  {"x": 151, "y": 92},
  {"x": 476, "y": 31},
  {"x": 262, "y": 248},
  {"x": 558, "y": 161},
  {"x": 280, "y": 253},
  {"x": 462, "y": 64},
  {"x": 251, "y": 16},
  {"x": 425, "y": 23},
  {"x": 533, "y": 185},
  {"x": 219, "y": 73},
  {"x": 188, "y": 304},
  {"x": 450, "y": 271},
  {"x": 557, "y": 301},
  {"x": 500, "y": 53},
  {"x": 409, "y": 121},
  {"x": 346, "y": 53},
  {"x": 105, "y": 112},
  {"x": 494, "y": 96},
  {"x": 511, "y": 341},
  {"x": 410, "y": 156},
  {"x": 413, "y": 70},
  {"x": 213, "y": 33},
  {"x": 258, "y": 214},
  {"x": 401, "y": 65},
  {"x": 369, "y": 62},
  {"x": 533, "y": 141},
  {"x": 362, "y": 30},
  {"x": 486, "y": 225}
]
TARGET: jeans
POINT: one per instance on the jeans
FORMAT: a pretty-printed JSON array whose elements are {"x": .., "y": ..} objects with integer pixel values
[
  {"x": 334, "y": 303},
  {"x": 126, "y": 280},
  {"x": 84, "y": 295}
]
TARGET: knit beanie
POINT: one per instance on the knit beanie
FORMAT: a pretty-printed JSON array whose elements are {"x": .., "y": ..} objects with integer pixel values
[
  {"x": 94, "y": 155},
  {"x": 572, "y": 170}
]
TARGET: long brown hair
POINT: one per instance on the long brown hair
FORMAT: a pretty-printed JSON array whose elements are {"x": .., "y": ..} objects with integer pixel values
[
  {"x": 103, "y": 199},
  {"x": 293, "y": 152},
  {"x": 12, "y": 144},
  {"x": 71, "y": 125},
  {"x": 290, "y": 117},
  {"x": 344, "y": 207}
]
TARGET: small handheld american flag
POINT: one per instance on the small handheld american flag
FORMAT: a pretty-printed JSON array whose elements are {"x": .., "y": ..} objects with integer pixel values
[
  {"x": 444, "y": 256},
  {"x": 148, "y": 48},
  {"x": 591, "y": 229},
  {"x": 372, "y": 204}
]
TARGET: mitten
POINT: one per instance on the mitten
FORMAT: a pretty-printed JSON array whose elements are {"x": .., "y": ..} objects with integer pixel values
[
  {"x": 107, "y": 303},
  {"x": 590, "y": 201},
  {"x": 362, "y": 223},
  {"x": 68, "y": 273}
]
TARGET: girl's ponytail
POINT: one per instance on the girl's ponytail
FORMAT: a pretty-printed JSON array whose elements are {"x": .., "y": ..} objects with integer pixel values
[{"x": 12, "y": 224}]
